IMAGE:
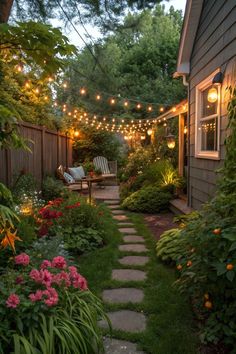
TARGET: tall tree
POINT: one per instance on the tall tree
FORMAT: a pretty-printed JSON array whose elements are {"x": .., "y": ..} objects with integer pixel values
[
  {"x": 136, "y": 62},
  {"x": 103, "y": 12}
]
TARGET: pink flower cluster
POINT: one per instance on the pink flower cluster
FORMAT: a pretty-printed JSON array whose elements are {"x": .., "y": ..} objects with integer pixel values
[
  {"x": 22, "y": 259},
  {"x": 13, "y": 301},
  {"x": 49, "y": 296},
  {"x": 67, "y": 277}
]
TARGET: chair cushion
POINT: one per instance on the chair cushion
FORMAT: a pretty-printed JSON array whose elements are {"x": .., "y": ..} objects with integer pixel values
[
  {"x": 77, "y": 172},
  {"x": 68, "y": 178},
  {"x": 108, "y": 175},
  {"x": 102, "y": 163}
]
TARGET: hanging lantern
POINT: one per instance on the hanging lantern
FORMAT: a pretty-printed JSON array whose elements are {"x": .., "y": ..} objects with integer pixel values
[
  {"x": 149, "y": 131},
  {"x": 212, "y": 95},
  {"x": 170, "y": 141},
  {"x": 76, "y": 133}
]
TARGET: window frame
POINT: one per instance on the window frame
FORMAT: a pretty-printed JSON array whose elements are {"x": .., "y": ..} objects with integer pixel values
[{"x": 213, "y": 155}]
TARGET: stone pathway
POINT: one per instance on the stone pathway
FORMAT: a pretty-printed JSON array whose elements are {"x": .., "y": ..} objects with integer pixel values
[{"x": 135, "y": 254}]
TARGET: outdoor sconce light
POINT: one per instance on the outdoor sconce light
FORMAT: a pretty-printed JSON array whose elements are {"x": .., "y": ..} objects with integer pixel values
[
  {"x": 170, "y": 141},
  {"x": 149, "y": 132},
  {"x": 218, "y": 78},
  {"x": 212, "y": 95}
]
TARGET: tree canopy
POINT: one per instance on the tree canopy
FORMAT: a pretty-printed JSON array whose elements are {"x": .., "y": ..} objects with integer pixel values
[{"x": 135, "y": 62}]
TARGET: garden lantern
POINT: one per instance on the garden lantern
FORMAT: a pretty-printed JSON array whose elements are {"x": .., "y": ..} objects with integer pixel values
[{"x": 170, "y": 141}]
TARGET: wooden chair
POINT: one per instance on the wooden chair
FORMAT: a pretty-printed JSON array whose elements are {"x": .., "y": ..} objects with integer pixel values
[{"x": 108, "y": 168}]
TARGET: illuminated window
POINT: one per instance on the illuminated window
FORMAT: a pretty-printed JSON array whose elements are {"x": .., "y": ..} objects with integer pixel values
[{"x": 207, "y": 119}]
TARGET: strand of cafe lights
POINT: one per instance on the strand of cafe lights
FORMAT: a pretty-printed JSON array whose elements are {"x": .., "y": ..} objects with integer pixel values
[{"x": 141, "y": 125}]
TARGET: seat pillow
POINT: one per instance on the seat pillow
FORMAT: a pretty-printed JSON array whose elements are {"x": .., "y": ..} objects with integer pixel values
[
  {"x": 77, "y": 172},
  {"x": 68, "y": 178}
]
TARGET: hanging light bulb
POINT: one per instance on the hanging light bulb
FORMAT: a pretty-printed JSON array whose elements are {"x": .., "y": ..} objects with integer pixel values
[
  {"x": 64, "y": 85},
  {"x": 37, "y": 90},
  {"x": 27, "y": 84},
  {"x": 138, "y": 106},
  {"x": 126, "y": 103},
  {"x": 76, "y": 133},
  {"x": 83, "y": 91},
  {"x": 50, "y": 79},
  {"x": 19, "y": 68},
  {"x": 162, "y": 109},
  {"x": 98, "y": 97},
  {"x": 149, "y": 108},
  {"x": 112, "y": 101},
  {"x": 174, "y": 109}
]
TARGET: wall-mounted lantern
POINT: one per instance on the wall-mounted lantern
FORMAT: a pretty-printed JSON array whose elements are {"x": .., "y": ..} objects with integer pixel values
[{"x": 170, "y": 139}]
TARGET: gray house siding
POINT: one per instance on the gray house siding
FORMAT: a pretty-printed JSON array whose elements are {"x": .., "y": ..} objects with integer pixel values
[{"x": 214, "y": 47}]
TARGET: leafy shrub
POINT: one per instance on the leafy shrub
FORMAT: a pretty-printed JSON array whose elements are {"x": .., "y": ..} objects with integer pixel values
[
  {"x": 79, "y": 239},
  {"x": 48, "y": 309},
  {"x": 148, "y": 199},
  {"x": 206, "y": 253},
  {"x": 132, "y": 185},
  {"x": 169, "y": 246},
  {"x": 24, "y": 185},
  {"x": 52, "y": 188}
]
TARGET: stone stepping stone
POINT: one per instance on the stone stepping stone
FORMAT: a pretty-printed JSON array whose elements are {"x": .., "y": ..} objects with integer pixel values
[
  {"x": 123, "y": 295},
  {"x": 128, "y": 275},
  {"x": 130, "y": 239},
  {"x": 120, "y": 217},
  {"x": 128, "y": 230},
  {"x": 112, "y": 202},
  {"x": 125, "y": 224},
  {"x": 134, "y": 260},
  {"x": 117, "y": 212},
  {"x": 133, "y": 248},
  {"x": 113, "y": 206},
  {"x": 116, "y": 346},
  {"x": 126, "y": 320}
]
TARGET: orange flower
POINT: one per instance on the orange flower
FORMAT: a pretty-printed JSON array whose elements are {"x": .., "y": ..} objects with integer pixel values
[
  {"x": 230, "y": 266},
  {"x": 216, "y": 231},
  {"x": 208, "y": 305},
  {"x": 9, "y": 239},
  {"x": 179, "y": 267},
  {"x": 189, "y": 263}
]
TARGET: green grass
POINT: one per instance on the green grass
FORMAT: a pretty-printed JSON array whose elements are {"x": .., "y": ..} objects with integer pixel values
[{"x": 170, "y": 326}]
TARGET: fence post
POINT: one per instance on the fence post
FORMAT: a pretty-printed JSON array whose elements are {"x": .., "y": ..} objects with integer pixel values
[
  {"x": 66, "y": 151},
  {"x": 58, "y": 149}
]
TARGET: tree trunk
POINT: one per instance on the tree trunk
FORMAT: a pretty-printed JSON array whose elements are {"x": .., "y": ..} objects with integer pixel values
[{"x": 5, "y": 10}]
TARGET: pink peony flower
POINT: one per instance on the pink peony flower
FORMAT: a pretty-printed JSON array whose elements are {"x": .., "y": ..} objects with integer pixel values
[
  {"x": 35, "y": 275},
  {"x": 45, "y": 264},
  {"x": 72, "y": 269},
  {"x": 59, "y": 262},
  {"x": 37, "y": 296},
  {"x": 22, "y": 259},
  {"x": 62, "y": 278},
  {"x": 45, "y": 277},
  {"x": 79, "y": 282},
  {"x": 52, "y": 297},
  {"x": 13, "y": 301}
]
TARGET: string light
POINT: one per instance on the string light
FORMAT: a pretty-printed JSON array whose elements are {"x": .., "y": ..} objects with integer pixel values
[
  {"x": 65, "y": 85},
  {"x": 150, "y": 108},
  {"x": 83, "y": 91},
  {"x": 112, "y": 101},
  {"x": 162, "y": 109},
  {"x": 98, "y": 97},
  {"x": 138, "y": 106},
  {"x": 126, "y": 103}
]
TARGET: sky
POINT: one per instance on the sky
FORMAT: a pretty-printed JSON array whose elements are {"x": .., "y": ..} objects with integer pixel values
[{"x": 93, "y": 31}]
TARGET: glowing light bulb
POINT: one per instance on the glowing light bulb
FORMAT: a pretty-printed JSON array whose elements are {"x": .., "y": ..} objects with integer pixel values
[
  {"x": 126, "y": 103},
  {"x": 138, "y": 106},
  {"x": 64, "y": 85},
  {"x": 50, "y": 79},
  {"x": 113, "y": 101},
  {"x": 174, "y": 109},
  {"x": 37, "y": 90},
  {"x": 83, "y": 91},
  {"x": 98, "y": 97},
  {"x": 150, "y": 108},
  {"x": 27, "y": 84},
  {"x": 162, "y": 109}
]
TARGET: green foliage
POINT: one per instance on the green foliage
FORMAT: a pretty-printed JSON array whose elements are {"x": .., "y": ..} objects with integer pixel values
[
  {"x": 148, "y": 200},
  {"x": 80, "y": 239},
  {"x": 7, "y": 216},
  {"x": 94, "y": 143},
  {"x": 24, "y": 185},
  {"x": 205, "y": 252},
  {"x": 52, "y": 188}
]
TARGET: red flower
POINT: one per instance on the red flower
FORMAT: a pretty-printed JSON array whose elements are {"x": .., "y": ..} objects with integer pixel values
[{"x": 43, "y": 231}]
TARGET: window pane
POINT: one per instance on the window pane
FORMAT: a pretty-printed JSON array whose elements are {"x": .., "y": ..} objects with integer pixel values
[
  {"x": 209, "y": 101},
  {"x": 209, "y": 135}
]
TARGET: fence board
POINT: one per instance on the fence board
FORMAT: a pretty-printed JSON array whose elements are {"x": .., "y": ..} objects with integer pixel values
[{"x": 48, "y": 150}]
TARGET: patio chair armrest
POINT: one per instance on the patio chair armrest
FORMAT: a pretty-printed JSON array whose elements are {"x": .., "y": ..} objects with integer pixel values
[{"x": 113, "y": 167}]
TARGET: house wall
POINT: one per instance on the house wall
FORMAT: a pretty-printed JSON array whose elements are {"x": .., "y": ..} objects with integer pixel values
[{"x": 214, "y": 47}]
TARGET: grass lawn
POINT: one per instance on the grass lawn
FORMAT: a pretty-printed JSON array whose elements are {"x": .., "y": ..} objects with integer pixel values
[{"x": 170, "y": 327}]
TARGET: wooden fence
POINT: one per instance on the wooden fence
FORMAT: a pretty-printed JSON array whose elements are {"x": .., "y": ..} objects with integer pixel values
[{"x": 49, "y": 149}]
